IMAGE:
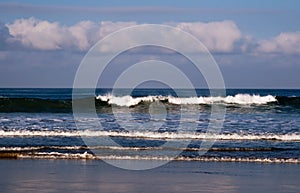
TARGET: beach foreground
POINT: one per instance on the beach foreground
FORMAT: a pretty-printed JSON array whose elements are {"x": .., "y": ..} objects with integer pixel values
[{"x": 29, "y": 175}]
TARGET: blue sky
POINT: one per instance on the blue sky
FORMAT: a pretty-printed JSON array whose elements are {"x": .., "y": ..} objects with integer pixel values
[{"x": 263, "y": 37}]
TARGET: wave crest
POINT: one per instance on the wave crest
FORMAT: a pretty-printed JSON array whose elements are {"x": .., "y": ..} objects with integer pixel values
[
  {"x": 241, "y": 99},
  {"x": 152, "y": 135},
  {"x": 86, "y": 155}
]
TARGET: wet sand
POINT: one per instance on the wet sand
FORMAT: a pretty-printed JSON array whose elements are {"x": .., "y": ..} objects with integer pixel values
[{"x": 45, "y": 176}]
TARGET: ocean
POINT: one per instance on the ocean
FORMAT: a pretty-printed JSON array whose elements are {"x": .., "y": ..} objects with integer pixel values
[{"x": 260, "y": 125}]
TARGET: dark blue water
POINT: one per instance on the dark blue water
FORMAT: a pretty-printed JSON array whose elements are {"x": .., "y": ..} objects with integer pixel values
[
  {"x": 66, "y": 93},
  {"x": 261, "y": 125}
]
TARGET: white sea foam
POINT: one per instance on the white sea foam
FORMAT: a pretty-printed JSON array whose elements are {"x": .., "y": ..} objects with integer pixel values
[
  {"x": 241, "y": 99},
  {"x": 4, "y": 120},
  {"x": 28, "y": 148},
  {"x": 121, "y": 148},
  {"x": 153, "y": 135},
  {"x": 18, "y": 148},
  {"x": 127, "y": 100},
  {"x": 86, "y": 155},
  {"x": 57, "y": 155}
]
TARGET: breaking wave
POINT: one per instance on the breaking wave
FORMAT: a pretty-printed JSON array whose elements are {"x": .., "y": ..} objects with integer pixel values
[
  {"x": 152, "y": 135},
  {"x": 241, "y": 99},
  {"x": 86, "y": 155},
  {"x": 65, "y": 105},
  {"x": 134, "y": 148}
]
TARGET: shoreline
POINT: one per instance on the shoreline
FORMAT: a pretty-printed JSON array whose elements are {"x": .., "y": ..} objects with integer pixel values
[{"x": 67, "y": 175}]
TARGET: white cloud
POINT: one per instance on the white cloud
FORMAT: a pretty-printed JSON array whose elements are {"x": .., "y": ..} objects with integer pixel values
[
  {"x": 287, "y": 43},
  {"x": 221, "y": 36},
  {"x": 39, "y": 34},
  {"x": 87, "y": 33},
  {"x": 84, "y": 34},
  {"x": 216, "y": 36},
  {"x": 45, "y": 35},
  {"x": 108, "y": 27}
]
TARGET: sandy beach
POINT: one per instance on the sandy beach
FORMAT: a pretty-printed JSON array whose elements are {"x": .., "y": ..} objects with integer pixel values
[{"x": 28, "y": 175}]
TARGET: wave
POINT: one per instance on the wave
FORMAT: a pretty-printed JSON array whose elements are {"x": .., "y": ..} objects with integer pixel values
[
  {"x": 35, "y": 148},
  {"x": 152, "y": 135},
  {"x": 65, "y": 105},
  {"x": 241, "y": 99},
  {"x": 288, "y": 101},
  {"x": 86, "y": 155},
  {"x": 35, "y": 105},
  {"x": 127, "y": 148}
]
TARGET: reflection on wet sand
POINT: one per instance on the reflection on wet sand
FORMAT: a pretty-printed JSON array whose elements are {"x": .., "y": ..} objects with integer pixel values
[{"x": 47, "y": 176}]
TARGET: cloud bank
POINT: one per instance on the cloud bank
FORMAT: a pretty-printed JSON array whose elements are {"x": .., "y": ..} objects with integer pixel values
[
  {"x": 217, "y": 36},
  {"x": 287, "y": 43},
  {"x": 221, "y": 36},
  {"x": 45, "y": 35}
]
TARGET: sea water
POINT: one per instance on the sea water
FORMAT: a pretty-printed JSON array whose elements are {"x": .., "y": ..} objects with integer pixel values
[{"x": 152, "y": 124}]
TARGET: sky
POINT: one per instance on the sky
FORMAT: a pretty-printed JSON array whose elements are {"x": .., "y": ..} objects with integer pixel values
[{"x": 256, "y": 44}]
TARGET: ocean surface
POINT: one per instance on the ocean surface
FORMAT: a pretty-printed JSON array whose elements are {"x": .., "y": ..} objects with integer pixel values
[{"x": 151, "y": 124}]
